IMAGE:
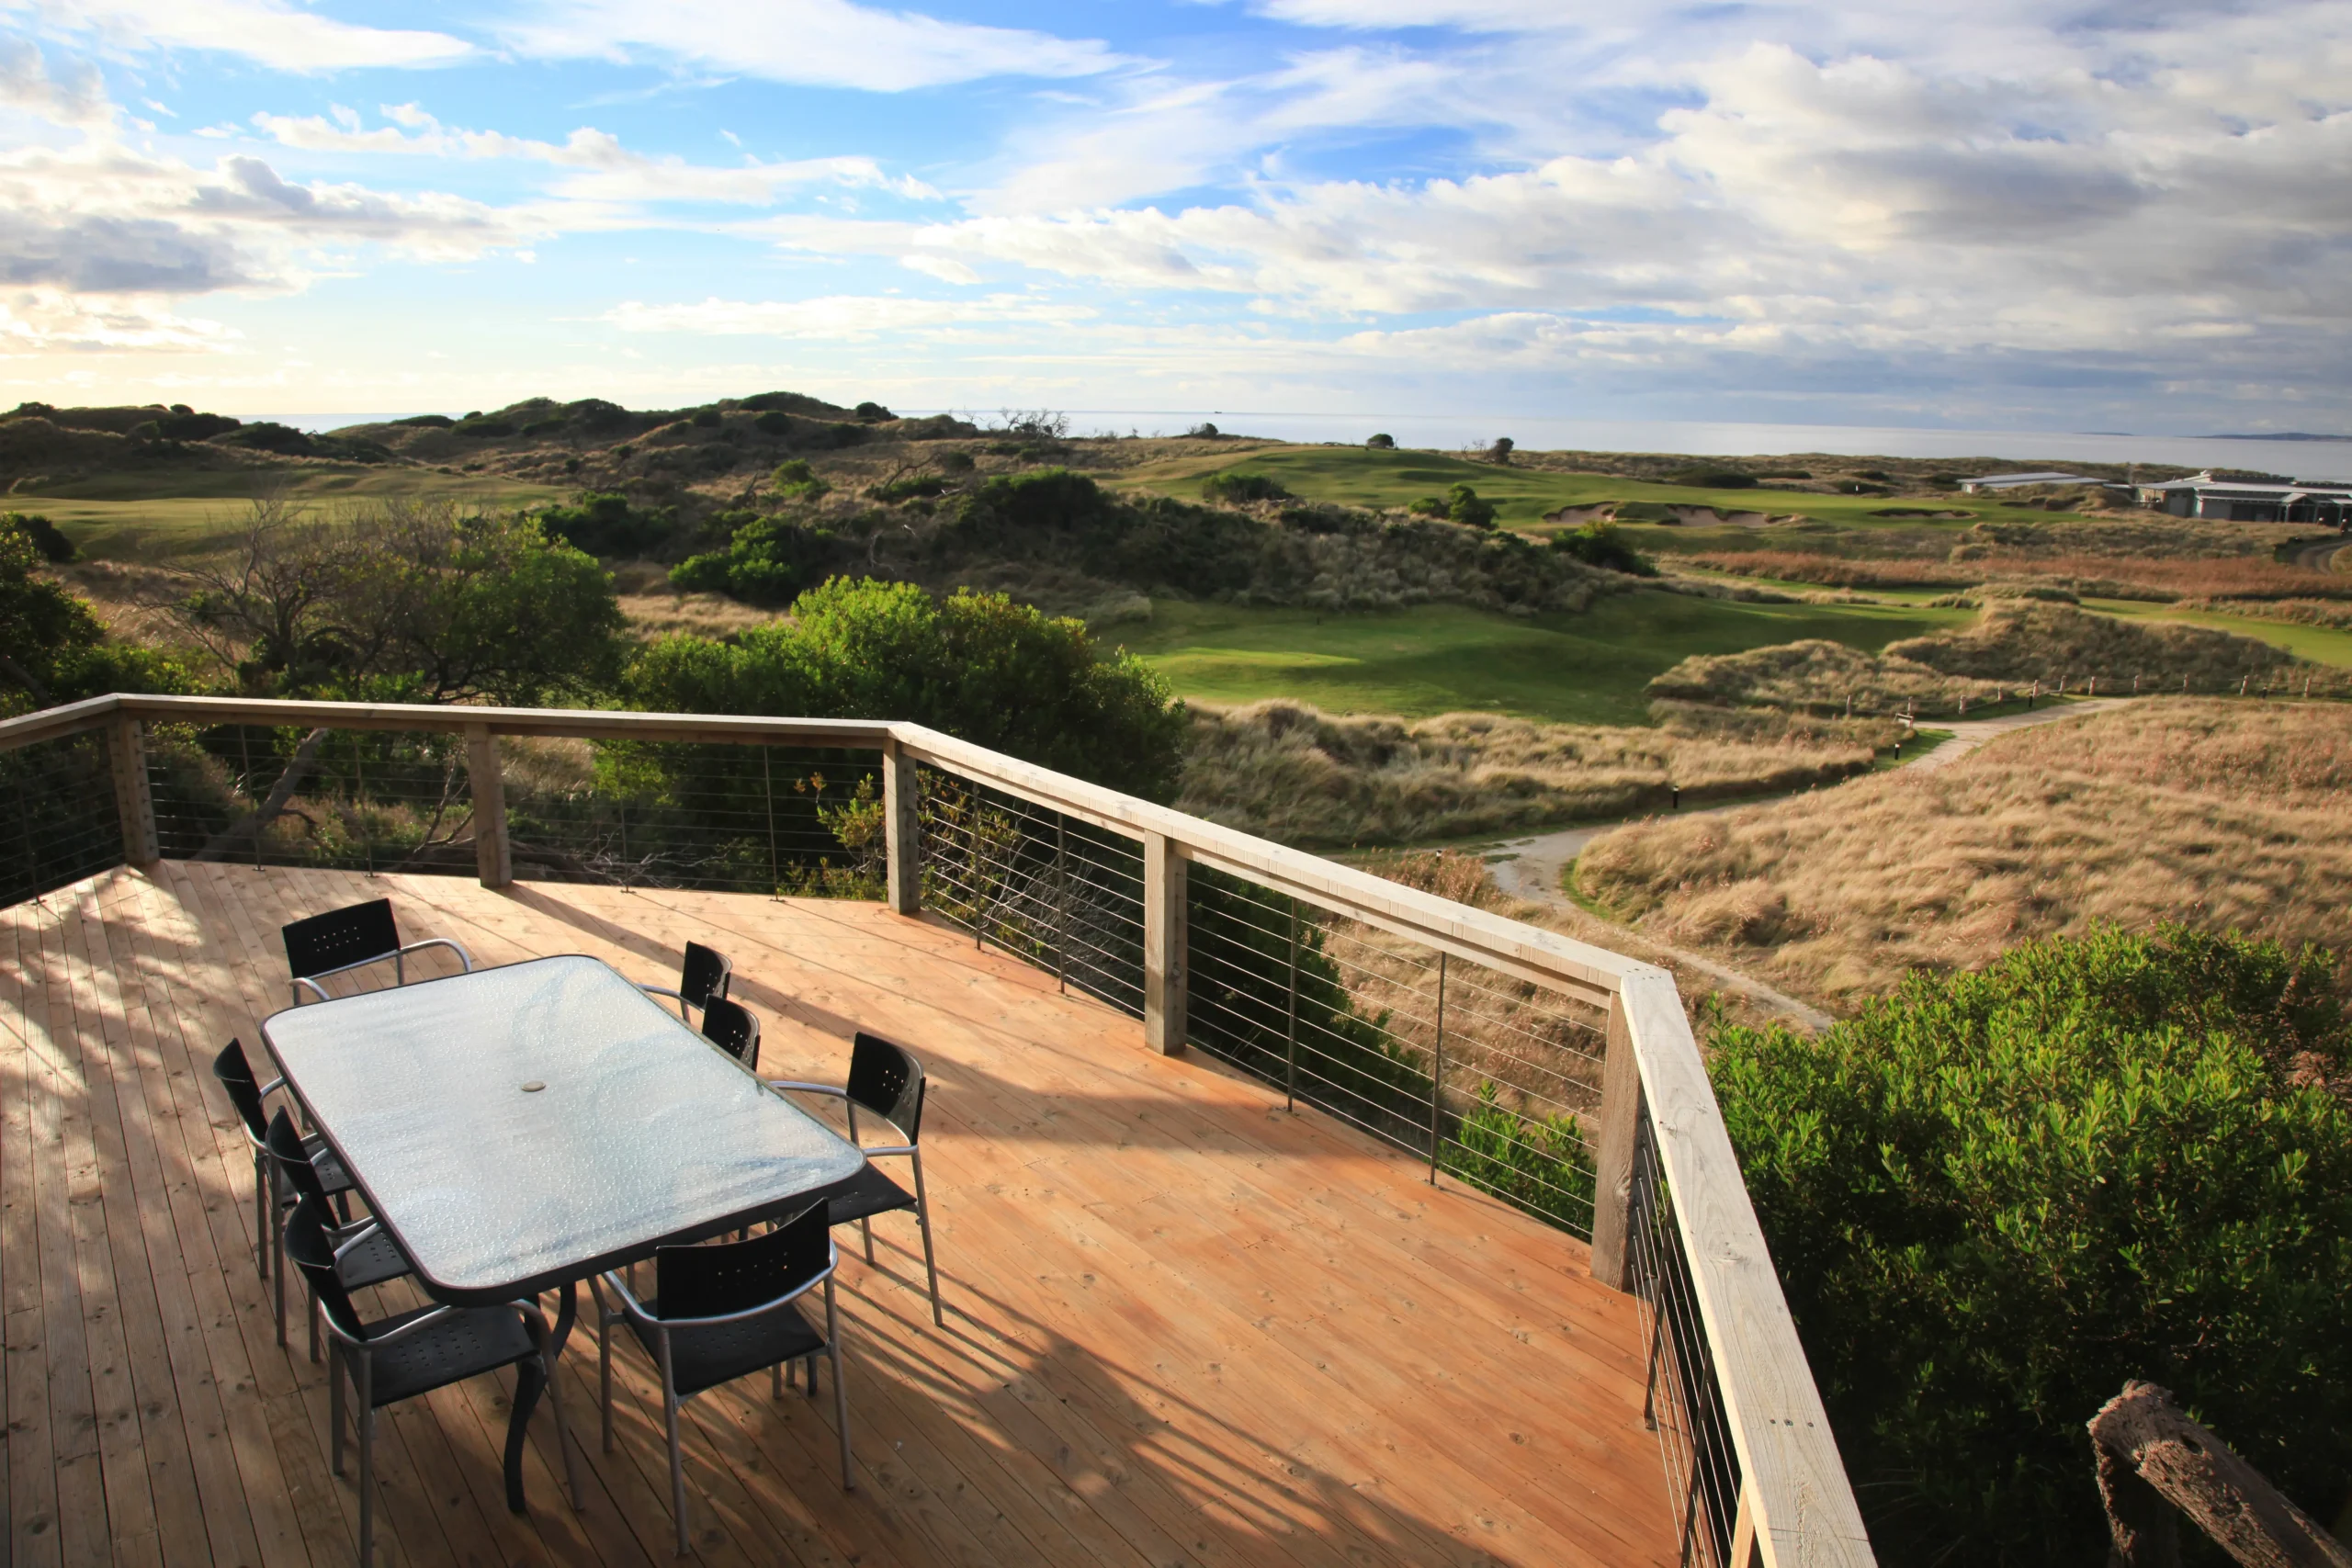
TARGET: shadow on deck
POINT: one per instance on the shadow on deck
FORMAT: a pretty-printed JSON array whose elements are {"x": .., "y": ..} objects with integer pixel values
[{"x": 1183, "y": 1326}]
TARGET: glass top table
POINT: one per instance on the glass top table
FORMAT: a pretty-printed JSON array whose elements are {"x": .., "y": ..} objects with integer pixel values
[{"x": 521, "y": 1128}]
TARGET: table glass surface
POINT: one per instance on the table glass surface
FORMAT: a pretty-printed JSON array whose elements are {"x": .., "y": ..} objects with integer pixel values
[{"x": 641, "y": 1130}]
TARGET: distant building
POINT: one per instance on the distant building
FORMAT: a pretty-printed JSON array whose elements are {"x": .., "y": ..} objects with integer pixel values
[
  {"x": 2324, "y": 501},
  {"x": 2011, "y": 481}
]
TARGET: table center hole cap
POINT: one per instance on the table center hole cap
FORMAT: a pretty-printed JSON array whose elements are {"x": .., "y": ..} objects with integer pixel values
[{"x": 534, "y": 1085}]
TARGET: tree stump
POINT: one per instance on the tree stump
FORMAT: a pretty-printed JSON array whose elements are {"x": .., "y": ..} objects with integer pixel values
[{"x": 2151, "y": 1455}]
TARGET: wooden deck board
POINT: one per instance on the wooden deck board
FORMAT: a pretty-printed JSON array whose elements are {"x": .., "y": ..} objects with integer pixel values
[{"x": 1183, "y": 1327}]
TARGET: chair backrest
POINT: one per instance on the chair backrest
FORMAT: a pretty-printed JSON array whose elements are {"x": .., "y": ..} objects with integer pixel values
[
  {"x": 341, "y": 938},
  {"x": 732, "y": 1028},
  {"x": 285, "y": 1147},
  {"x": 705, "y": 976},
  {"x": 887, "y": 1080},
  {"x": 309, "y": 1242},
  {"x": 736, "y": 1276},
  {"x": 236, "y": 1076}
]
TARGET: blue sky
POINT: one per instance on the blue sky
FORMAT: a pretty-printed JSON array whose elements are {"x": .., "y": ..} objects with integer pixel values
[{"x": 2066, "y": 215}]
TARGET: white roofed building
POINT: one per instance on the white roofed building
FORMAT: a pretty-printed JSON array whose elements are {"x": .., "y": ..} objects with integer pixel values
[{"x": 2325, "y": 501}]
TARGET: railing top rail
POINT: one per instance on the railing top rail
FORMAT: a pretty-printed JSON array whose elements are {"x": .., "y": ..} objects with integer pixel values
[
  {"x": 593, "y": 724},
  {"x": 54, "y": 724}
]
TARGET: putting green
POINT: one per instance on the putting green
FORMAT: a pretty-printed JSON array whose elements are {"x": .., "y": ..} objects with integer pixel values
[{"x": 1433, "y": 659}]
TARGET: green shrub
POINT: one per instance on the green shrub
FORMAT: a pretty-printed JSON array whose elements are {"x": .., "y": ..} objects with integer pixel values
[
  {"x": 1236, "y": 488},
  {"x": 1598, "y": 543},
  {"x": 979, "y": 666},
  {"x": 265, "y": 435},
  {"x": 482, "y": 429},
  {"x": 769, "y": 562},
  {"x": 871, "y": 413},
  {"x": 794, "y": 479},
  {"x": 1382, "y": 443},
  {"x": 433, "y": 421},
  {"x": 604, "y": 523},
  {"x": 911, "y": 488},
  {"x": 1993, "y": 1197},
  {"x": 1535, "y": 1163},
  {"x": 51, "y": 546},
  {"x": 706, "y": 419},
  {"x": 1468, "y": 507},
  {"x": 1713, "y": 478}
]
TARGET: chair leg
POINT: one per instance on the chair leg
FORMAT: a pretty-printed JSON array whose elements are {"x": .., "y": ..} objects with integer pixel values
[
  {"x": 312, "y": 1318},
  {"x": 264, "y": 1195},
  {"x": 841, "y": 1384},
  {"x": 363, "y": 1388},
  {"x": 867, "y": 1226},
  {"x": 809, "y": 1376},
  {"x": 775, "y": 1381},
  {"x": 677, "y": 1461},
  {"x": 334, "y": 1410},
  {"x": 278, "y": 1256},
  {"x": 564, "y": 1435},
  {"x": 923, "y": 1218},
  {"x": 604, "y": 1368}
]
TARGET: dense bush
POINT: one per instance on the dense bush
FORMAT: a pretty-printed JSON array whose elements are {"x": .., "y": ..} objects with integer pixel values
[
  {"x": 1382, "y": 443},
  {"x": 979, "y": 666},
  {"x": 433, "y": 421},
  {"x": 1993, "y": 1197},
  {"x": 265, "y": 435},
  {"x": 48, "y": 543},
  {"x": 1244, "y": 487},
  {"x": 603, "y": 522},
  {"x": 769, "y": 562},
  {"x": 1599, "y": 543},
  {"x": 1713, "y": 478}
]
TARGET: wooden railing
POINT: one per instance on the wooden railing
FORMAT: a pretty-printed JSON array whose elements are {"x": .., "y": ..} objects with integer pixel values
[{"x": 1662, "y": 1149}]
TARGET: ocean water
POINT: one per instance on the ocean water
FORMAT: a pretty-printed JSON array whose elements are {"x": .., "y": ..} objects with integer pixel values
[{"x": 2019, "y": 449}]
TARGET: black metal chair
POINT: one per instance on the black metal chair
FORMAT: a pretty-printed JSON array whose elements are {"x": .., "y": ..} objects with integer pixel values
[
  {"x": 364, "y": 1253},
  {"x": 352, "y": 938},
  {"x": 705, "y": 974},
  {"x": 730, "y": 1026},
  {"x": 888, "y": 1081},
  {"x": 272, "y": 1194},
  {"x": 721, "y": 1312},
  {"x": 413, "y": 1352}
]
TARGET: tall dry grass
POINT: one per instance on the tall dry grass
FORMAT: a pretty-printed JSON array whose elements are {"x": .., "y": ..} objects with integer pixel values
[
  {"x": 2225, "y": 815},
  {"x": 2088, "y": 573},
  {"x": 1289, "y": 771},
  {"x": 2013, "y": 645}
]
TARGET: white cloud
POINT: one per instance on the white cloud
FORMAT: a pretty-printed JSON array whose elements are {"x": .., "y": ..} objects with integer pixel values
[
  {"x": 272, "y": 34},
  {"x": 609, "y": 171},
  {"x": 28, "y": 85},
  {"x": 36, "y": 320},
  {"x": 839, "y": 317},
  {"x": 831, "y": 43}
]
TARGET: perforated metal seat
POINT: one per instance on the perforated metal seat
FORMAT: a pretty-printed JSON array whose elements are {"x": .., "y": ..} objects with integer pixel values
[
  {"x": 352, "y": 938},
  {"x": 718, "y": 1312},
  {"x": 886, "y": 1080},
  {"x": 413, "y": 1352}
]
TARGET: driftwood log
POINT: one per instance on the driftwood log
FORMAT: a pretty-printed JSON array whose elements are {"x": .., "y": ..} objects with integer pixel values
[{"x": 2152, "y": 1460}]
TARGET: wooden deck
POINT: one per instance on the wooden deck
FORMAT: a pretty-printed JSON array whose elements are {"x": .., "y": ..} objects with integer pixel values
[{"x": 1183, "y": 1327}]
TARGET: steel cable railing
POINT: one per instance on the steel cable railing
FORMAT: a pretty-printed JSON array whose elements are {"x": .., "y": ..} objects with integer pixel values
[
  {"x": 1683, "y": 1400},
  {"x": 725, "y": 818},
  {"x": 59, "y": 823}
]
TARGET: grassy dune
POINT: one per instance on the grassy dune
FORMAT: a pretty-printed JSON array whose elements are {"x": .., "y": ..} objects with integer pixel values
[
  {"x": 1437, "y": 658},
  {"x": 2227, "y": 815},
  {"x": 1287, "y": 771},
  {"x": 154, "y": 518},
  {"x": 1521, "y": 494}
]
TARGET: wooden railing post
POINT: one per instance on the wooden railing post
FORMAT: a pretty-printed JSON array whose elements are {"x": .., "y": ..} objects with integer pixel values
[
  {"x": 1621, "y": 1126},
  {"x": 1163, "y": 945},
  {"x": 492, "y": 859},
  {"x": 127, "y": 745},
  {"x": 903, "y": 829}
]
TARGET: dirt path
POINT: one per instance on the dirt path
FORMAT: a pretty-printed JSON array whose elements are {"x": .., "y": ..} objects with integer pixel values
[
  {"x": 2324, "y": 556},
  {"x": 1535, "y": 865}
]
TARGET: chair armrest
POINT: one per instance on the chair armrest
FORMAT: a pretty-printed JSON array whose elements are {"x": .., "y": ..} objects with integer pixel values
[
  {"x": 630, "y": 1302},
  {"x": 405, "y": 1329},
  {"x": 346, "y": 1240},
  {"x": 321, "y": 990},
  {"x": 664, "y": 991},
  {"x": 463, "y": 956},
  {"x": 808, "y": 1088}
]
